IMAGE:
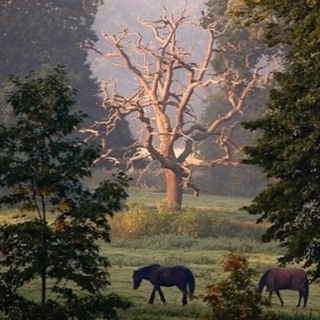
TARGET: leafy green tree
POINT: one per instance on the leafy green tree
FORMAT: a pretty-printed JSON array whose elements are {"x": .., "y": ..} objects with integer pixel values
[
  {"x": 55, "y": 248},
  {"x": 242, "y": 49},
  {"x": 37, "y": 34},
  {"x": 288, "y": 149}
]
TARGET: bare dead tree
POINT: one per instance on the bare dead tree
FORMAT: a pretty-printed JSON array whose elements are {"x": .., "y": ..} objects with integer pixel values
[{"x": 166, "y": 78}]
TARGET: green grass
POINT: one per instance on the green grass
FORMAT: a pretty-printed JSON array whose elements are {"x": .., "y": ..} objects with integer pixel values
[
  {"x": 204, "y": 256},
  {"x": 205, "y": 201},
  {"x": 207, "y": 267}
]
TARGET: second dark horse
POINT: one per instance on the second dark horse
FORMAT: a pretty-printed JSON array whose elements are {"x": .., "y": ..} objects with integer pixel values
[
  {"x": 276, "y": 279},
  {"x": 159, "y": 276}
]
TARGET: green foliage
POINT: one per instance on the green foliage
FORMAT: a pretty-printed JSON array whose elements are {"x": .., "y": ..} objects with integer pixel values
[
  {"x": 288, "y": 150},
  {"x": 139, "y": 221},
  {"x": 42, "y": 33},
  {"x": 240, "y": 51},
  {"x": 30, "y": 28},
  {"x": 130, "y": 226},
  {"x": 42, "y": 165},
  {"x": 235, "y": 297}
]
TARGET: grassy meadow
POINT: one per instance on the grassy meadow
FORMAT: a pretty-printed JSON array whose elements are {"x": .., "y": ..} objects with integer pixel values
[
  {"x": 204, "y": 256},
  {"x": 225, "y": 228}
]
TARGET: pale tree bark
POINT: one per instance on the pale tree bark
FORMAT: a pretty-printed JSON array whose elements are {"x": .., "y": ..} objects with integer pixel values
[{"x": 167, "y": 78}]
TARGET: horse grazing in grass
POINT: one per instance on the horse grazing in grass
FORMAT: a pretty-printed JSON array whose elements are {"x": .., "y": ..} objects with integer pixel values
[
  {"x": 276, "y": 279},
  {"x": 159, "y": 276}
]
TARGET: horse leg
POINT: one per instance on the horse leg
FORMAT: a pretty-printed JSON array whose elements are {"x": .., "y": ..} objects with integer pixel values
[
  {"x": 278, "y": 294},
  {"x": 302, "y": 294},
  {"x": 299, "y": 301},
  {"x": 184, "y": 298},
  {"x": 184, "y": 291},
  {"x": 269, "y": 299},
  {"x": 305, "y": 298},
  {"x": 152, "y": 295},
  {"x": 163, "y": 299}
]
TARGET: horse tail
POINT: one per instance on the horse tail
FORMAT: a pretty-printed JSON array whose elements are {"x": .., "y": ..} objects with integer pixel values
[
  {"x": 263, "y": 281},
  {"x": 191, "y": 281}
]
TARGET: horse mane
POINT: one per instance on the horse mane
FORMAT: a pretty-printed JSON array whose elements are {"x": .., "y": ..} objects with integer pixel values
[
  {"x": 148, "y": 268},
  {"x": 263, "y": 281}
]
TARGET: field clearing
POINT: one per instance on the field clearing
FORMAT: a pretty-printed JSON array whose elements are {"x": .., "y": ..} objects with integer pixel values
[
  {"x": 204, "y": 201},
  {"x": 204, "y": 256},
  {"x": 205, "y": 273},
  {"x": 206, "y": 264}
]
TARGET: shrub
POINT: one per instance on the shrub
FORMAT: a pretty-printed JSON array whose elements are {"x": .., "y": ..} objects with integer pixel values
[
  {"x": 139, "y": 221},
  {"x": 163, "y": 219},
  {"x": 235, "y": 297},
  {"x": 192, "y": 222},
  {"x": 131, "y": 224}
]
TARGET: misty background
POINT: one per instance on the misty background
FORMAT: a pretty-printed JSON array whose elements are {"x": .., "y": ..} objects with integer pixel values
[{"x": 35, "y": 35}]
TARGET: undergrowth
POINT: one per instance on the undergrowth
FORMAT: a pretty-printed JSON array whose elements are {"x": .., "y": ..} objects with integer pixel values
[
  {"x": 162, "y": 227},
  {"x": 139, "y": 221}
]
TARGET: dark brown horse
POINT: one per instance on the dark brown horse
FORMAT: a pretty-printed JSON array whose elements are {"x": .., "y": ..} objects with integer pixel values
[
  {"x": 276, "y": 279},
  {"x": 159, "y": 276}
]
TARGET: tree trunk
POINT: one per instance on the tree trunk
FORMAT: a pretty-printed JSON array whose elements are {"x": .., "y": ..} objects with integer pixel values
[{"x": 174, "y": 188}]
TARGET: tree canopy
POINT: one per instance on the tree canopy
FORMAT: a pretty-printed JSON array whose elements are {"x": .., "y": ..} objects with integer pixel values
[
  {"x": 55, "y": 244},
  {"x": 288, "y": 149},
  {"x": 37, "y": 34},
  {"x": 242, "y": 48}
]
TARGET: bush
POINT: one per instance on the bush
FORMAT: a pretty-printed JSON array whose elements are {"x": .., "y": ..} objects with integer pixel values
[
  {"x": 193, "y": 222},
  {"x": 163, "y": 219},
  {"x": 139, "y": 221},
  {"x": 235, "y": 297},
  {"x": 130, "y": 224}
]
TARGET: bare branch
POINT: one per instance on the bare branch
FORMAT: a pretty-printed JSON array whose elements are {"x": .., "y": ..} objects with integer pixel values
[{"x": 166, "y": 76}]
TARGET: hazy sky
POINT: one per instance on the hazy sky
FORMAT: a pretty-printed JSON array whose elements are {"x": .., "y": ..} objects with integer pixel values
[
  {"x": 124, "y": 12},
  {"x": 115, "y": 15}
]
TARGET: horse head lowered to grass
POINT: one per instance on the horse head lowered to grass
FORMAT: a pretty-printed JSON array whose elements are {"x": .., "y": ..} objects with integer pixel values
[
  {"x": 159, "y": 276},
  {"x": 276, "y": 279}
]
